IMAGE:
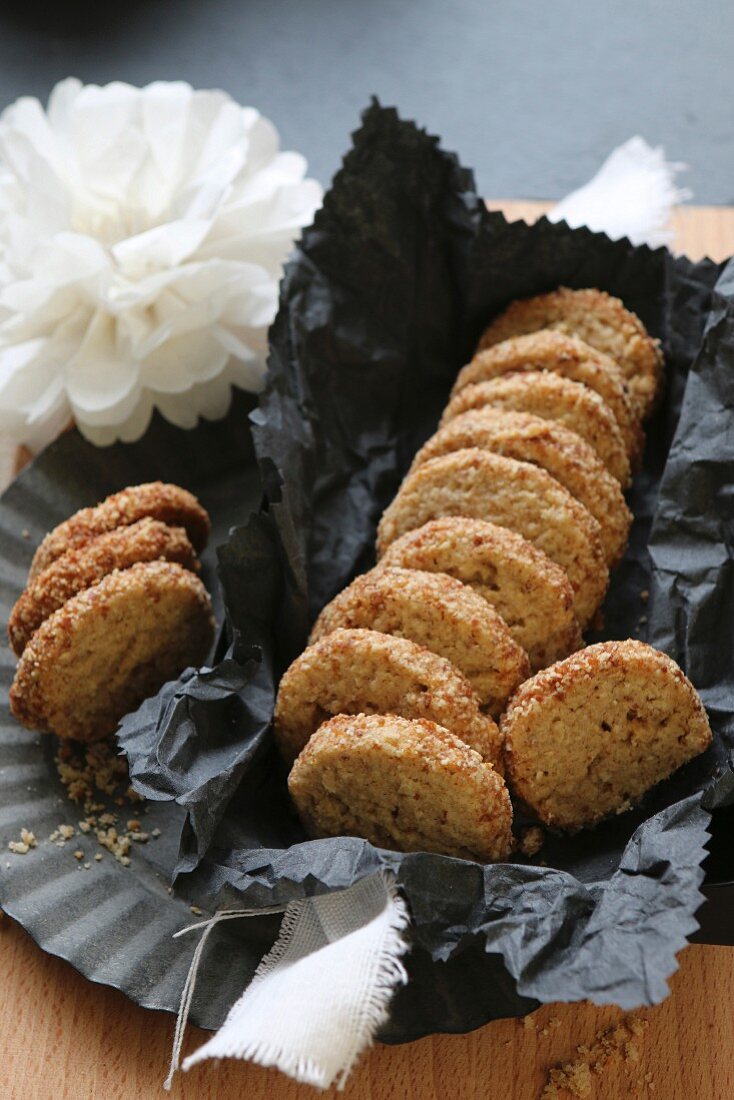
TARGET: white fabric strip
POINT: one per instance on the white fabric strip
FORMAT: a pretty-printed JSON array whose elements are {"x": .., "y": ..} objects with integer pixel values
[
  {"x": 632, "y": 195},
  {"x": 319, "y": 996}
]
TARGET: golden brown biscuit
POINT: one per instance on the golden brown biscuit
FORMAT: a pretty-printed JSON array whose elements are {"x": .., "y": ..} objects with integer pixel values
[
  {"x": 146, "y": 540},
  {"x": 553, "y": 398},
  {"x": 482, "y": 485},
  {"x": 110, "y": 647},
  {"x": 553, "y": 447},
  {"x": 532, "y": 594},
  {"x": 168, "y": 503},
  {"x": 566, "y": 355},
  {"x": 440, "y": 613},
  {"x": 590, "y": 735},
  {"x": 405, "y": 785},
  {"x": 365, "y": 672},
  {"x": 599, "y": 320}
]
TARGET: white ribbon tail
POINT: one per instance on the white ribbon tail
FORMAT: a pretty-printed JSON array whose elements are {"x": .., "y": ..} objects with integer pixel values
[
  {"x": 319, "y": 996},
  {"x": 632, "y": 195}
]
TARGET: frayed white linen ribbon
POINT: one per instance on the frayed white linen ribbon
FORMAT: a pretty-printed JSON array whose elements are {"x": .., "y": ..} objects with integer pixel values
[
  {"x": 632, "y": 195},
  {"x": 318, "y": 997}
]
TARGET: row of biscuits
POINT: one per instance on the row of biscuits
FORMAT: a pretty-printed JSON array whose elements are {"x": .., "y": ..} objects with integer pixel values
[
  {"x": 493, "y": 558},
  {"x": 113, "y": 609}
]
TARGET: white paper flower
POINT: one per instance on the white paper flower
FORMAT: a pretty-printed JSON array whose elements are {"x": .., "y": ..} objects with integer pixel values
[{"x": 142, "y": 237}]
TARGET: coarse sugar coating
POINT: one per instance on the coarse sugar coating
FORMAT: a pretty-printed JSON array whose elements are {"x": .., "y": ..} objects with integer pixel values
[
  {"x": 531, "y": 592},
  {"x": 566, "y": 355},
  {"x": 598, "y": 319},
  {"x": 402, "y": 784},
  {"x": 588, "y": 736},
  {"x": 168, "y": 503},
  {"x": 553, "y": 398},
  {"x": 481, "y": 485},
  {"x": 553, "y": 447},
  {"x": 365, "y": 672},
  {"x": 146, "y": 540},
  {"x": 440, "y": 613},
  {"x": 110, "y": 647}
]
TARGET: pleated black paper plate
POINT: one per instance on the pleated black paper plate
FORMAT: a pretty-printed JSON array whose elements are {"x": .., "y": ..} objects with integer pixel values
[
  {"x": 381, "y": 305},
  {"x": 113, "y": 923}
]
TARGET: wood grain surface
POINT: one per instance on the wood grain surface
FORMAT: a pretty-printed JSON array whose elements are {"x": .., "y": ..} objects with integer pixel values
[{"x": 62, "y": 1038}]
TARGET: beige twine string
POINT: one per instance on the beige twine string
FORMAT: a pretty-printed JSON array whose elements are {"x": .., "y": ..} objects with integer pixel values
[{"x": 187, "y": 993}]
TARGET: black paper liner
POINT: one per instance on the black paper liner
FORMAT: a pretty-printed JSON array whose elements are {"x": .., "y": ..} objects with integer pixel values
[{"x": 379, "y": 309}]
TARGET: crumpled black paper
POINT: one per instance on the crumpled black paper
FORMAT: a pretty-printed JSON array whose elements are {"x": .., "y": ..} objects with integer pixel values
[{"x": 380, "y": 307}]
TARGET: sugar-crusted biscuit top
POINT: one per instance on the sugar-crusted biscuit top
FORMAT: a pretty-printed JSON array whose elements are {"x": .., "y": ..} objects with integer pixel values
[
  {"x": 552, "y": 397},
  {"x": 168, "y": 503},
  {"x": 590, "y": 735},
  {"x": 482, "y": 485},
  {"x": 531, "y": 592},
  {"x": 440, "y": 613},
  {"x": 402, "y": 784},
  {"x": 563, "y": 354},
  {"x": 553, "y": 447},
  {"x": 598, "y": 319},
  {"x": 363, "y": 671},
  {"x": 146, "y": 540}
]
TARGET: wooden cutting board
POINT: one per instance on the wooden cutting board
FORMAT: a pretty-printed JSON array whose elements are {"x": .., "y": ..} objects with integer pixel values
[{"x": 62, "y": 1038}]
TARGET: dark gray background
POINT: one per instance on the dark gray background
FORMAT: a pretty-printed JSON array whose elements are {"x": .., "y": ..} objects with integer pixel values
[{"x": 532, "y": 95}]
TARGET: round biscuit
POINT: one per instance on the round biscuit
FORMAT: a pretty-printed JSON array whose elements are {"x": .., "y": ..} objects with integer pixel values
[
  {"x": 551, "y": 397},
  {"x": 566, "y": 355},
  {"x": 482, "y": 485},
  {"x": 440, "y": 613},
  {"x": 146, "y": 540},
  {"x": 363, "y": 671},
  {"x": 548, "y": 444},
  {"x": 532, "y": 593},
  {"x": 599, "y": 320},
  {"x": 170, "y": 504},
  {"x": 109, "y": 648},
  {"x": 588, "y": 736},
  {"x": 404, "y": 785}
]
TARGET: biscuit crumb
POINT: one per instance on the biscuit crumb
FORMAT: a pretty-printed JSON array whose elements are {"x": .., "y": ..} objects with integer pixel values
[
  {"x": 28, "y": 838},
  {"x": 645, "y": 595},
  {"x": 98, "y": 856},
  {"x": 196, "y": 910},
  {"x": 155, "y": 833},
  {"x": 63, "y": 832},
  {"x": 18, "y": 848},
  {"x": 86, "y": 770},
  {"x": 532, "y": 840},
  {"x": 79, "y": 854},
  {"x": 118, "y": 845},
  {"x": 618, "y": 1044}
]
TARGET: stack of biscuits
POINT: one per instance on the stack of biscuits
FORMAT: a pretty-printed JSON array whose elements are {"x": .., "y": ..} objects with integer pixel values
[
  {"x": 493, "y": 559},
  {"x": 112, "y": 610}
]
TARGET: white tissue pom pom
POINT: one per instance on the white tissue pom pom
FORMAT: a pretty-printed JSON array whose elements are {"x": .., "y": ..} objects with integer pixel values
[{"x": 142, "y": 237}]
